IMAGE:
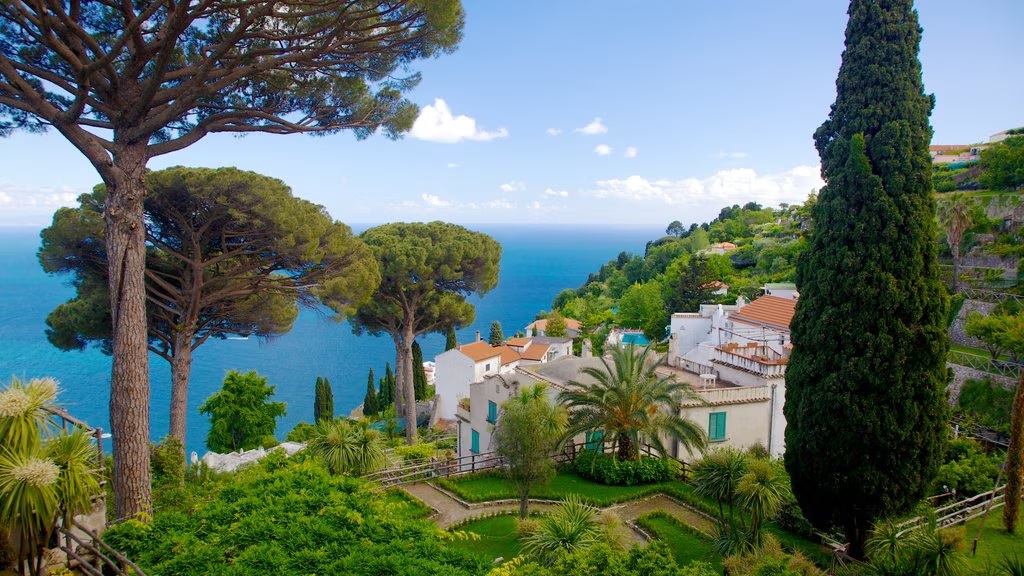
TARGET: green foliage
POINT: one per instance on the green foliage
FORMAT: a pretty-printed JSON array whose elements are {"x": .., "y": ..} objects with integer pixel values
[
  {"x": 496, "y": 337},
  {"x": 770, "y": 560},
  {"x": 986, "y": 402},
  {"x": 607, "y": 469},
  {"x": 556, "y": 325},
  {"x": 241, "y": 414},
  {"x": 417, "y": 452},
  {"x": 956, "y": 302},
  {"x": 295, "y": 519},
  {"x": 968, "y": 469},
  {"x": 370, "y": 404},
  {"x": 168, "y": 467},
  {"x": 868, "y": 370},
  {"x": 529, "y": 430},
  {"x": 1004, "y": 164},
  {"x": 642, "y": 306},
  {"x": 690, "y": 547},
  {"x": 625, "y": 399},
  {"x": 302, "y": 432},
  {"x": 419, "y": 374},
  {"x": 923, "y": 551},
  {"x": 998, "y": 332},
  {"x": 688, "y": 284},
  {"x": 450, "y": 340},
  {"x": 323, "y": 400},
  {"x": 348, "y": 447}
]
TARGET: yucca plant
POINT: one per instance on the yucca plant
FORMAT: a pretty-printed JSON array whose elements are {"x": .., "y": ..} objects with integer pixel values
[
  {"x": 46, "y": 473},
  {"x": 570, "y": 527},
  {"x": 348, "y": 447},
  {"x": 762, "y": 491}
]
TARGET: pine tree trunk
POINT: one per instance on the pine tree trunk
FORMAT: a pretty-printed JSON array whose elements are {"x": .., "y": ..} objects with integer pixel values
[
  {"x": 409, "y": 387},
  {"x": 181, "y": 369},
  {"x": 129, "y": 381},
  {"x": 1015, "y": 460},
  {"x": 396, "y": 389}
]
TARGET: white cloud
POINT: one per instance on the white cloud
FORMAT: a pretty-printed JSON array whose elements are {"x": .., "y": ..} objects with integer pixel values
[
  {"x": 602, "y": 150},
  {"x": 553, "y": 131},
  {"x": 594, "y": 128},
  {"x": 453, "y": 165},
  {"x": 501, "y": 204},
  {"x": 435, "y": 201},
  {"x": 534, "y": 205},
  {"x": 727, "y": 187},
  {"x": 437, "y": 124},
  {"x": 630, "y": 152},
  {"x": 737, "y": 155},
  {"x": 513, "y": 186},
  {"x": 559, "y": 193}
]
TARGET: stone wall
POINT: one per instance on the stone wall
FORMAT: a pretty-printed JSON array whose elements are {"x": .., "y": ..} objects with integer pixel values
[
  {"x": 957, "y": 334},
  {"x": 962, "y": 374}
]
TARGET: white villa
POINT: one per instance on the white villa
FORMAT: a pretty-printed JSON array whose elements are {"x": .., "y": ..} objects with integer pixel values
[
  {"x": 538, "y": 327},
  {"x": 457, "y": 369}
]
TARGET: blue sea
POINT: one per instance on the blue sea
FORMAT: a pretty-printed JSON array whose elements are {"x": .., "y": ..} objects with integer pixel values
[{"x": 537, "y": 263}]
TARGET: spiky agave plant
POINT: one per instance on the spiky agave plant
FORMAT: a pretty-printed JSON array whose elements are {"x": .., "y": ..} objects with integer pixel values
[
  {"x": 348, "y": 447},
  {"x": 570, "y": 527}
]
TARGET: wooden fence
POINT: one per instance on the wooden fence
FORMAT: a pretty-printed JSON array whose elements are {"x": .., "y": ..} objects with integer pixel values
[
  {"x": 92, "y": 555},
  {"x": 1006, "y": 368},
  {"x": 959, "y": 512}
]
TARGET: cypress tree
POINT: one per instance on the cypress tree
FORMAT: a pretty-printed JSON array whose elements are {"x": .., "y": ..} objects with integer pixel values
[
  {"x": 419, "y": 375},
  {"x": 1015, "y": 459},
  {"x": 389, "y": 381},
  {"x": 323, "y": 401},
  {"x": 450, "y": 340},
  {"x": 370, "y": 406},
  {"x": 866, "y": 404},
  {"x": 496, "y": 337},
  {"x": 384, "y": 398}
]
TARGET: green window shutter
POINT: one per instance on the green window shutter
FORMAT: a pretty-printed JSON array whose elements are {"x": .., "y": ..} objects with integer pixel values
[
  {"x": 475, "y": 442},
  {"x": 716, "y": 426},
  {"x": 492, "y": 412},
  {"x": 594, "y": 440}
]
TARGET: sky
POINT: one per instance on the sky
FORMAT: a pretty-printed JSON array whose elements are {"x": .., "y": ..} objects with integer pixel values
[{"x": 595, "y": 112}]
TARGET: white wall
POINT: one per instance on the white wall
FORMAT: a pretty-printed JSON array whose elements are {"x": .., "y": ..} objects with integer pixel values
[
  {"x": 745, "y": 425},
  {"x": 452, "y": 375}
]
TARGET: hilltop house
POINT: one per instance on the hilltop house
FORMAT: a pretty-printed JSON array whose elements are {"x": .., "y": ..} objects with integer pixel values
[
  {"x": 722, "y": 248},
  {"x": 457, "y": 369},
  {"x": 538, "y": 327}
]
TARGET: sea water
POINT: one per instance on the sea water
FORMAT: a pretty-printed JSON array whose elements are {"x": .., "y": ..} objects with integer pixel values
[{"x": 537, "y": 263}]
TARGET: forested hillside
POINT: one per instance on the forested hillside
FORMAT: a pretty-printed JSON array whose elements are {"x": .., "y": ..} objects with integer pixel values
[{"x": 980, "y": 217}]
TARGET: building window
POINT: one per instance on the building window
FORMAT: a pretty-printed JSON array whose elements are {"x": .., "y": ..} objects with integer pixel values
[
  {"x": 716, "y": 426},
  {"x": 594, "y": 440},
  {"x": 474, "y": 444},
  {"x": 487, "y": 367},
  {"x": 492, "y": 412}
]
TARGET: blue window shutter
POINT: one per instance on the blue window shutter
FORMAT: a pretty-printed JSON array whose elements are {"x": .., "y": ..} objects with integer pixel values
[
  {"x": 475, "y": 442},
  {"x": 492, "y": 412}
]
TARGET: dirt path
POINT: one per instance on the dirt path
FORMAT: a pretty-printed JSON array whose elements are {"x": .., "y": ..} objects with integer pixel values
[{"x": 449, "y": 511}]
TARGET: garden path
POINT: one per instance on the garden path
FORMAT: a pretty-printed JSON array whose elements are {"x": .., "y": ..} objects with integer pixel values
[{"x": 449, "y": 511}]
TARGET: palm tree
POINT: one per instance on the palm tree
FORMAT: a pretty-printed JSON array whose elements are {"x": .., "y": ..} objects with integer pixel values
[
  {"x": 348, "y": 447},
  {"x": 955, "y": 219},
  {"x": 716, "y": 475},
  {"x": 762, "y": 491},
  {"x": 570, "y": 527},
  {"x": 630, "y": 403}
]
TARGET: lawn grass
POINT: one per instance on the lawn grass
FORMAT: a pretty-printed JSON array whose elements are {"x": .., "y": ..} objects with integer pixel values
[
  {"x": 498, "y": 537},
  {"x": 405, "y": 506},
  {"x": 818, "y": 553},
  {"x": 487, "y": 487},
  {"x": 685, "y": 544},
  {"x": 995, "y": 543}
]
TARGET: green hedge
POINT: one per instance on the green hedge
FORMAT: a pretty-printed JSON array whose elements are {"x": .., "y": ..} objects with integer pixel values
[{"x": 607, "y": 469}]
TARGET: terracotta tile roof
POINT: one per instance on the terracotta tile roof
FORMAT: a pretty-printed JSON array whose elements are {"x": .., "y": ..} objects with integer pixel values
[
  {"x": 717, "y": 284},
  {"x": 508, "y": 355},
  {"x": 724, "y": 245},
  {"x": 542, "y": 325},
  {"x": 770, "y": 311},
  {"x": 518, "y": 342},
  {"x": 480, "y": 350},
  {"x": 536, "y": 351}
]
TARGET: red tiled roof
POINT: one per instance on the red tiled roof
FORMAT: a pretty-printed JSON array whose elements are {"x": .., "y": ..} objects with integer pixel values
[
  {"x": 769, "y": 311},
  {"x": 518, "y": 342},
  {"x": 508, "y": 355},
  {"x": 536, "y": 351},
  {"x": 480, "y": 350},
  {"x": 542, "y": 325}
]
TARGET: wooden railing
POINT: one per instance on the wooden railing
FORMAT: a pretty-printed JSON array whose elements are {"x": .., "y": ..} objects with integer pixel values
[
  {"x": 984, "y": 363},
  {"x": 94, "y": 556},
  {"x": 959, "y": 512}
]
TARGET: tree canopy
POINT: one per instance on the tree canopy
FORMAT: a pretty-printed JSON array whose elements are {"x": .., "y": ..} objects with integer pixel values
[
  {"x": 229, "y": 252},
  {"x": 427, "y": 271},
  {"x": 125, "y": 82},
  {"x": 241, "y": 415},
  {"x": 865, "y": 404}
]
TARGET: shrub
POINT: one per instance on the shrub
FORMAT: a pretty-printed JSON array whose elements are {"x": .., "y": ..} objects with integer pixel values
[
  {"x": 419, "y": 451},
  {"x": 167, "y": 461},
  {"x": 302, "y": 432},
  {"x": 269, "y": 441},
  {"x": 607, "y": 469},
  {"x": 791, "y": 519}
]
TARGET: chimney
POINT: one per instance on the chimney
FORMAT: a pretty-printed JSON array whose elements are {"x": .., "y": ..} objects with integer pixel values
[{"x": 478, "y": 338}]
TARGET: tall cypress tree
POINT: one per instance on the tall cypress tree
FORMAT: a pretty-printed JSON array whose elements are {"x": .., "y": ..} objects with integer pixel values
[
  {"x": 419, "y": 375},
  {"x": 450, "y": 340},
  {"x": 496, "y": 336},
  {"x": 865, "y": 402},
  {"x": 370, "y": 405},
  {"x": 384, "y": 398},
  {"x": 323, "y": 400},
  {"x": 393, "y": 394}
]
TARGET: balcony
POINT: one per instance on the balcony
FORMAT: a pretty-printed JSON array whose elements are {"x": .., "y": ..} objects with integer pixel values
[
  {"x": 462, "y": 410},
  {"x": 731, "y": 395},
  {"x": 756, "y": 359}
]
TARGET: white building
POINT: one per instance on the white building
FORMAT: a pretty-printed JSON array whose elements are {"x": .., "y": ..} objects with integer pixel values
[
  {"x": 538, "y": 327},
  {"x": 739, "y": 354}
]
